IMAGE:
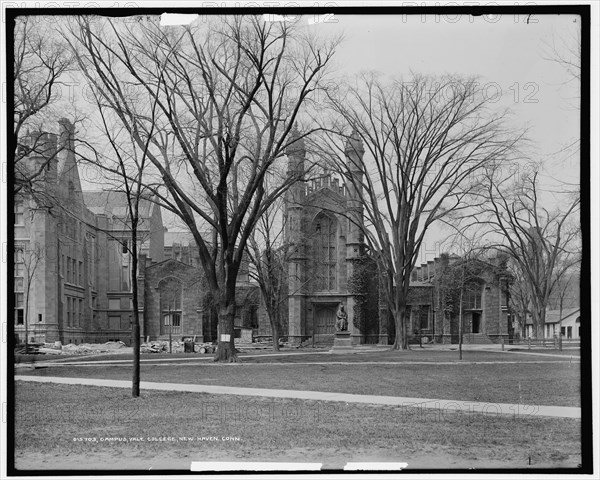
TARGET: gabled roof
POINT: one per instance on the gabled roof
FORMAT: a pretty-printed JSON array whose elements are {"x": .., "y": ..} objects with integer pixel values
[
  {"x": 553, "y": 316},
  {"x": 164, "y": 263},
  {"x": 113, "y": 202}
]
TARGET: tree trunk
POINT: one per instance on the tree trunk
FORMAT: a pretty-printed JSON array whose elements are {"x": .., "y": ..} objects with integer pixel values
[
  {"x": 273, "y": 313},
  {"x": 226, "y": 351},
  {"x": 401, "y": 341},
  {"x": 135, "y": 384},
  {"x": 275, "y": 331}
]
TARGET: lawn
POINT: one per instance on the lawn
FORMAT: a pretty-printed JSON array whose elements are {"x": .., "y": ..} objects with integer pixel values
[
  {"x": 60, "y": 426},
  {"x": 523, "y": 379}
]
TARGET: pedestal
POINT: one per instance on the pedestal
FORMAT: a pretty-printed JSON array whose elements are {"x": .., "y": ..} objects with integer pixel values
[{"x": 342, "y": 342}]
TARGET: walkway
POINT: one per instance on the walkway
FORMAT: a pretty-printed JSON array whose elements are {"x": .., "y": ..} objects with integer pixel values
[{"x": 441, "y": 406}]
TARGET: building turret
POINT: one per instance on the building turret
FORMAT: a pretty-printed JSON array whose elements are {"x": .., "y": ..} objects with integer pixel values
[
  {"x": 296, "y": 152},
  {"x": 354, "y": 151},
  {"x": 294, "y": 211}
]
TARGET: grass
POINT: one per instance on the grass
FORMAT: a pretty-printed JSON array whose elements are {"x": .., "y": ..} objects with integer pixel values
[
  {"x": 323, "y": 355},
  {"x": 552, "y": 382},
  {"x": 49, "y": 417}
]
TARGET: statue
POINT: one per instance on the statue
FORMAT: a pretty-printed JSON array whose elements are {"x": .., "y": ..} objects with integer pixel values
[{"x": 341, "y": 324}]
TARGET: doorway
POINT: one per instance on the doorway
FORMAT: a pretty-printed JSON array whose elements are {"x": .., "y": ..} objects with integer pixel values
[
  {"x": 324, "y": 319},
  {"x": 476, "y": 322}
]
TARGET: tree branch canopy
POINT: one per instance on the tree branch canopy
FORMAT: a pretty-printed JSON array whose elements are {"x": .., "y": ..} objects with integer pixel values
[
  {"x": 427, "y": 141},
  {"x": 225, "y": 96}
]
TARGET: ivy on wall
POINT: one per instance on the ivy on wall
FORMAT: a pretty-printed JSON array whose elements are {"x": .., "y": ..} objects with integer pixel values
[{"x": 361, "y": 286}]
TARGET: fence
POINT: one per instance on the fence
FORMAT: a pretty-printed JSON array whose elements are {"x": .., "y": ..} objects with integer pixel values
[{"x": 554, "y": 343}]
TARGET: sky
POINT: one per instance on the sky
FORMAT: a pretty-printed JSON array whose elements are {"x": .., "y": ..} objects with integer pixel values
[
  {"x": 507, "y": 53},
  {"x": 510, "y": 56},
  {"x": 512, "y": 59}
]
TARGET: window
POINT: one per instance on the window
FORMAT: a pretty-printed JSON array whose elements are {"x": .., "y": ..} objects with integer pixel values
[
  {"x": 171, "y": 291},
  {"x": 19, "y": 213},
  {"x": 324, "y": 253},
  {"x": 173, "y": 320},
  {"x": 68, "y": 311},
  {"x": 19, "y": 308},
  {"x": 124, "y": 248},
  {"x": 79, "y": 320},
  {"x": 19, "y": 255},
  {"x": 424, "y": 317},
  {"x": 68, "y": 270},
  {"x": 19, "y": 270},
  {"x": 75, "y": 312},
  {"x": 569, "y": 332},
  {"x": 80, "y": 274},
  {"x": 472, "y": 296},
  {"x": 114, "y": 304},
  {"x": 92, "y": 262},
  {"x": 562, "y": 331},
  {"x": 39, "y": 317},
  {"x": 125, "y": 278}
]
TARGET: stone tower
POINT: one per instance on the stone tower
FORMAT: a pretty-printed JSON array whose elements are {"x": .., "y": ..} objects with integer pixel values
[
  {"x": 294, "y": 201},
  {"x": 354, "y": 152}
]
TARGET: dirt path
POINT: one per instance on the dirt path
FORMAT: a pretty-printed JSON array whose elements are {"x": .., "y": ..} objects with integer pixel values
[{"x": 332, "y": 459}]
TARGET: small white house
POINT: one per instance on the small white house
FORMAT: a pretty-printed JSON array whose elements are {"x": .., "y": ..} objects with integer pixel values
[{"x": 569, "y": 327}]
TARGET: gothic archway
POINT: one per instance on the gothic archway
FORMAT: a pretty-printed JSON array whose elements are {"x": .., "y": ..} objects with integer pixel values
[{"x": 171, "y": 315}]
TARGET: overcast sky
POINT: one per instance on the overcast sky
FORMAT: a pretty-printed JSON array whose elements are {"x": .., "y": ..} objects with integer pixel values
[{"x": 509, "y": 54}]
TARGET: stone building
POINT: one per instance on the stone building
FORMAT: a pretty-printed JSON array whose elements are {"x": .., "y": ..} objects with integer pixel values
[
  {"x": 329, "y": 261},
  {"x": 175, "y": 300},
  {"x": 71, "y": 260},
  {"x": 72, "y": 266},
  {"x": 322, "y": 226},
  {"x": 440, "y": 289}
]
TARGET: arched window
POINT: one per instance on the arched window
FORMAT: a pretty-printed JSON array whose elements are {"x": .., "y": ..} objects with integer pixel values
[
  {"x": 324, "y": 231},
  {"x": 472, "y": 295},
  {"x": 171, "y": 291}
]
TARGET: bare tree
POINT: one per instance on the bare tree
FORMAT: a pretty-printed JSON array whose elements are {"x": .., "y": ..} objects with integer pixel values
[
  {"x": 542, "y": 242},
  {"x": 228, "y": 93},
  {"x": 269, "y": 253},
  {"x": 520, "y": 298},
  {"x": 27, "y": 260},
  {"x": 424, "y": 140},
  {"x": 39, "y": 67},
  {"x": 126, "y": 164}
]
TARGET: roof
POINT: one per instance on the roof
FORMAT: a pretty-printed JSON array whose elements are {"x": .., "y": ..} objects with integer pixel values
[
  {"x": 113, "y": 202},
  {"x": 180, "y": 238},
  {"x": 553, "y": 316}
]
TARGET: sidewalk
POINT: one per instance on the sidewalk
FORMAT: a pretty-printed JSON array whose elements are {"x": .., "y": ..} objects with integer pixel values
[{"x": 426, "y": 403}]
